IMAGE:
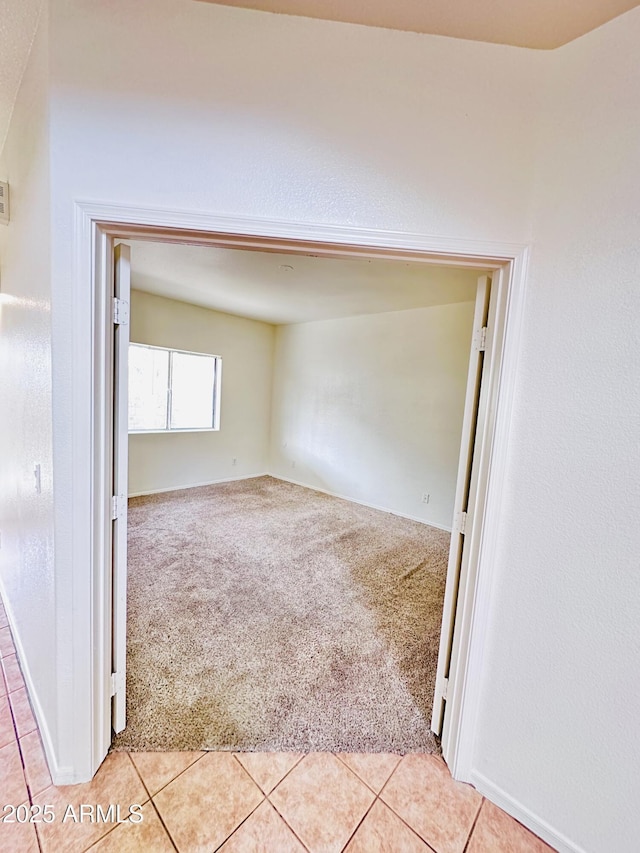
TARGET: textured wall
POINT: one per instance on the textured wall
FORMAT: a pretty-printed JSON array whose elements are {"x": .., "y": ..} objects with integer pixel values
[
  {"x": 167, "y": 103},
  {"x": 371, "y": 407},
  {"x": 164, "y": 461},
  {"x": 562, "y": 697},
  {"x": 26, "y": 516},
  {"x": 201, "y": 107},
  {"x": 18, "y": 25}
]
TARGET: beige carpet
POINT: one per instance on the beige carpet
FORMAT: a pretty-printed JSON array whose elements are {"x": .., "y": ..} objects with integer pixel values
[{"x": 266, "y": 616}]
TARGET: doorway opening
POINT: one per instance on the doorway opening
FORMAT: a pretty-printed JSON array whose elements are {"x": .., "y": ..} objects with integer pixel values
[{"x": 473, "y": 468}]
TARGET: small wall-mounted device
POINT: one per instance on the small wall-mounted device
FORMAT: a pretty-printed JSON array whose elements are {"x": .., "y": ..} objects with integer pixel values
[{"x": 4, "y": 203}]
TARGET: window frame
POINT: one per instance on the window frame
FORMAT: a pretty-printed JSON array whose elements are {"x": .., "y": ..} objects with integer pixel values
[{"x": 217, "y": 371}]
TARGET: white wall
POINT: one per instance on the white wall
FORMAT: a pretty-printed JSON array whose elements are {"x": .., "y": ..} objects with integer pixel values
[
  {"x": 368, "y": 407},
  {"x": 559, "y": 727},
  {"x": 204, "y": 107},
  {"x": 371, "y": 407},
  {"x": 27, "y": 576},
  {"x": 195, "y": 106},
  {"x": 159, "y": 461}
]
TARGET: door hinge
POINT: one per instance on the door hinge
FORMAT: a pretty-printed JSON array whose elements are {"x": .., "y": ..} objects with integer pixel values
[
  {"x": 445, "y": 687},
  {"x": 118, "y": 506},
  {"x": 117, "y": 682},
  {"x": 480, "y": 339},
  {"x": 460, "y": 525},
  {"x": 4, "y": 202},
  {"x": 120, "y": 312}
]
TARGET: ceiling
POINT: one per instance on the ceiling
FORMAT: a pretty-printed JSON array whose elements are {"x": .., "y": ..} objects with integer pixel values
[
  {"x": 541, "y": 24},
  {"x": 280, "y": 288}
]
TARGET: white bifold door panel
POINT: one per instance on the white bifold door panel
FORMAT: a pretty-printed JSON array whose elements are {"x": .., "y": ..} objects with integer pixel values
[
  {"x": 121, "y": 301},
  {"x": 466, "y": 487}
]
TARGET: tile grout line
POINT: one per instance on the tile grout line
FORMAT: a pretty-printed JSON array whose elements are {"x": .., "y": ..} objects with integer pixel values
[
  {"x": 285, "y": 821},
  {"x": 243, "y": 821},
  {"x": 359, "y": 824},
  {"x": 109, "y": 831},
  {"x": 393, "y": 772},
  {"x": 351, "y": 771},
  {"x": 4, "y": 678},
  {"x": 14, "y": 723},
  {"x": 290, "y": 770},
  {"x": 267, "y": 795},
  {"x": 369, "y": 788},
  {"x": 271, "y": 790},
  {"x": 173, "y": 778},
  {"x": 473, "y": 825},
  {"x": 357, "y": 775},
  {"x": 139, "y": 775},
  {"x": 98, "y": 840},
  {"x": 28, "y": 698},
  {"x": 17, "y": 738},
  {"x": 150, "y": 800},
  {"x": 166, "y": 828},
  {"x": 13, "y": 716},
  {"x": 413, "y": 831},
  {"x": 265, "y": 799},
  {"x": 241, "y": 765},
  {"x": 394, "y": 812},
  {"x": 430, "y": 849},
  {"x": 34, "y": 794},
  {"x": 375, "y": 798}
]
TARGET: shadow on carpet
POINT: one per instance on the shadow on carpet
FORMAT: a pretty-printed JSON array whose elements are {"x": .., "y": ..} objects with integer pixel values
[{"x": 266, "y": 616}]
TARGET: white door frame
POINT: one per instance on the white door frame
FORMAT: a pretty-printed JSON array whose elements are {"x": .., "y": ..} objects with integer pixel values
[{"x": 97, "y": 226}]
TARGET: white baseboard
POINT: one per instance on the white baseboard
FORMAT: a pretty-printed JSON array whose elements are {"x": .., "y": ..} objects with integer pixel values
[
  {"x": 295, "y": 483},
  {"x": 521, "y": 813},
  {"x": 197, "y": 485},
  {"x": 361, "y": 503},
  {"x": 59, "y": 775}
]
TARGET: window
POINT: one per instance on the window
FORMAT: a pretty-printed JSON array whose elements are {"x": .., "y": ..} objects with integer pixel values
[{"x": 171, "y": 390}]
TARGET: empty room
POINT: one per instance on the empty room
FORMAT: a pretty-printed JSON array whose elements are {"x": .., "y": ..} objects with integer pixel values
[
  {"x": 504, "y": 136},
  {"x": 294, "y": 427}
]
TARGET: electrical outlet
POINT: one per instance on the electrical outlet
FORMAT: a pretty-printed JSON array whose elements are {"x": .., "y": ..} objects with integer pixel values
[
  {"x": 234, "y": 461},
  {"x": 425, "y": 497}
]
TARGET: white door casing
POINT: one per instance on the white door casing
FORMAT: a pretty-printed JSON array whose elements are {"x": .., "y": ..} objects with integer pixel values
[{"x": 97, "y": 226}]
